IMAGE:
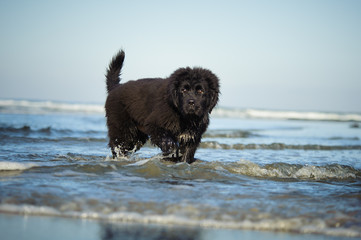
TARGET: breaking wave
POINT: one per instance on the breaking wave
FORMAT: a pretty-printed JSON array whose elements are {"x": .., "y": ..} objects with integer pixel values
[
  {"x": 293, "y": 171},
  {"x": 157, "y": 168},
  {"x": 287, "y": 171}
]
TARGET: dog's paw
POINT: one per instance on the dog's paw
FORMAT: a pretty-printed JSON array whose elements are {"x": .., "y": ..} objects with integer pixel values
[
  {"x": 186, "y": 138},
  {"x": 167, "y": 145}
]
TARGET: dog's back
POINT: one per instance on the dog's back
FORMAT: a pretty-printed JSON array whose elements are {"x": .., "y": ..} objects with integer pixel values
[{"x": 140, "y": 97}]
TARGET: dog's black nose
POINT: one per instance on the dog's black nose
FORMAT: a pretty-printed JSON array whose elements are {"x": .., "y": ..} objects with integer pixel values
[{"x": 191, "y": 102}]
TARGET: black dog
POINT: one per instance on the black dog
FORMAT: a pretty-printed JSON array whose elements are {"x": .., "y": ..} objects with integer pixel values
[{"x": 173, "y": 112}]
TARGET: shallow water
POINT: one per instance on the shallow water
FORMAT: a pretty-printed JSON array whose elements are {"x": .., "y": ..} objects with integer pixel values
[{"x": 296, "y": 176}]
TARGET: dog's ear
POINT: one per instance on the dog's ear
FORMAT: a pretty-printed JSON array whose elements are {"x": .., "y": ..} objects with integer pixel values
[
  {"x": 173, "y": 98},
  {"x": 213, "y": 85},
  {"x": 213, "y": 100},
  {"x": 174, "y": 84}
]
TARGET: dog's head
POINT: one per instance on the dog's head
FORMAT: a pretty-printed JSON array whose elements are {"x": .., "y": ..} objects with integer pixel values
[{"x": 193, "y": 91}]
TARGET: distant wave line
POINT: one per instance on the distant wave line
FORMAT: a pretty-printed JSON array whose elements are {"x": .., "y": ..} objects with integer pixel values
[
  {"x": 275, "y": 146},
  {"x": 43, "y": 107},
  {"x": 288, "y": 115}
]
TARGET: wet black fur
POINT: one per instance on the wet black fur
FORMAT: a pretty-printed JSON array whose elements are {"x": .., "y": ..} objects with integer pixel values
[{"x": 173, "y": 112}]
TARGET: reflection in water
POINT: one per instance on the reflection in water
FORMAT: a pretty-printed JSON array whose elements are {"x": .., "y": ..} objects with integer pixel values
[{"x": 112, "y": 231}]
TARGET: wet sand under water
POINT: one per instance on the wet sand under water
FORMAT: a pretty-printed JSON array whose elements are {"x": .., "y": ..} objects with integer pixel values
[{"x": 15, "y": 227}]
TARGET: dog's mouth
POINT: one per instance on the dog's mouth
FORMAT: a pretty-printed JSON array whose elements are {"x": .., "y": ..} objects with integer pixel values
[{"x": 193, "y": 110}]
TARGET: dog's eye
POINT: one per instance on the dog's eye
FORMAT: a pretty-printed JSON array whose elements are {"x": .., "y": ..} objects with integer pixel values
[
  {"x": 185, "y": 89},
  {"x": 199, "y": 90}
]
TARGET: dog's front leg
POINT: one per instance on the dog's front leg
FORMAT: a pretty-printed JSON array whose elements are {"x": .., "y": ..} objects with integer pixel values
[
  {"x": 188, "y": 146},
  {"x": 188, "y": 153},
  {"x": 165, "y": 142}
]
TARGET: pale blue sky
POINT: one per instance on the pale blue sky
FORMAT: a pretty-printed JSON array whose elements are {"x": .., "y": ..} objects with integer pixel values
[{"x": 289, "y": 55}]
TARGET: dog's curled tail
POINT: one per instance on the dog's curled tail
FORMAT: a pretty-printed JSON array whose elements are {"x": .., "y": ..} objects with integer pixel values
[{"x": 113, "y": 72}]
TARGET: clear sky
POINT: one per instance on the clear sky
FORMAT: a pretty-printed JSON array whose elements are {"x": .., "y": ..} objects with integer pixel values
[{"x": 286, "y": 55}]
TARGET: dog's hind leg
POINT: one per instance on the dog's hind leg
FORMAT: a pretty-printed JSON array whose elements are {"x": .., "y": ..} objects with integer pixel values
[
  {"x": 142, "y": 138},
  {"x": 124, "y": 136},
  {"x": 119, "y": 143},
  {"x": 123, "y": 143}
]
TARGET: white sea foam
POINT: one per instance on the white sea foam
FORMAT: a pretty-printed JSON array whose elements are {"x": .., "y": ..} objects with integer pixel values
[
  {"x": 139, "y": 163},
  {"x": 255, "y": 222},
  {"x": 13, "y": 166},
  {"x": 43, "y": 107}
]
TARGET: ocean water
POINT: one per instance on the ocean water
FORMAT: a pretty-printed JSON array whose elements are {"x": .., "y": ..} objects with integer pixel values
[{"x": 295, "y": 172}]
